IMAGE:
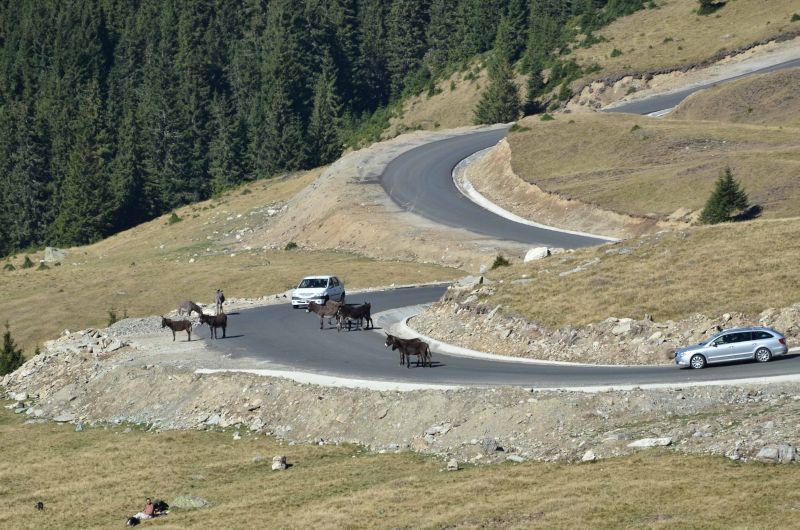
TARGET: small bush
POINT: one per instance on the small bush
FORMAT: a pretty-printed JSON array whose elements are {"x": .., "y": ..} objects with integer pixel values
[
  {"x": 42, "y": 266},
  {"x": 9, "y": 267},
  {"x": 27, "y": 264},
  {"x": 247, "y": 191},
  {"x": 291, "y": 245},
  {"x": 616, "y": 52},
  {"x": 10, "y": 356},
  {"x": 452, "y": 85},
  {"x": 547, "y": 117},
  {"x": 635, "y": 128},
  {"x": 667, "y": 39},
  {"x": 500, "y": 261},
  {"x": 518, "y": 128},
  {"x": 174, "y": 218},
  {"x": 795, "y": 17},
  {"x": 708, "y": 7},
  {"x": 631, "y": 90}
]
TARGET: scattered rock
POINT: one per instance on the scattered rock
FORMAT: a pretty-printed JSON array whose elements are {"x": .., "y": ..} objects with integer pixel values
[
  {"x": 452, "y": 465},
  {"x": 515, "y": 458},
  {"x": 213, "y": 419},
  {"x": 589, "y": 456},
  {"x": 470, "y": 282},
  {"x": 786, "y": 453},
  {"x": 79, "y": 427},
  {"x": 188, "y": 502},
  {"x": 54, "y": 255},
  {"x": 237, "y": 435},
  {"x": 651, "y": 442},
  {"x": 64, "y": 417}
]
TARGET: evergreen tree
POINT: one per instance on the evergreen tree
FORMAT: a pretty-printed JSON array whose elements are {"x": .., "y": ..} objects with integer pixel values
[
  {"x": 10, "y": 356},
  {"x": 500, "y": 102},
  {"x": 227, "y": 147},
  {"x": 439, "y": 34},
  {"x": 504, "y": 44},
  {"x": 726, "y": 199},
  {"x": 325, "y": 124},
  {"x": 86, "y": 210},
  {"x": 517, "y": 16},
  {"x": 277, "y": 142},
  {"x": 535, "y": 88},
  {"x": 128, "y": 177},
  {"x": 372, "y": 74},
  {"x": 405, "y": 42}
]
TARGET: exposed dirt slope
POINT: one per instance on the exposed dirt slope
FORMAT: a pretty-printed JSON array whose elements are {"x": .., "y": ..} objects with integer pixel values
[{"x": 772, "y": 99}]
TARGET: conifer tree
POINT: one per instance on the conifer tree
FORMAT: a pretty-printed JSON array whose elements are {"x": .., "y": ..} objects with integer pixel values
[
  {"x": 405, "y": 42},
  {"x": 226, "y": 152},
  {"x": 726, "y": 199},
  {"x": 439, "y": 34},
  {"x": 86, "y": 210},
  {"x": 10, "y": 356},
  {"x": 500, "y": 102},
  {"x": 372, "y": 75},
  {"x": 517, "y": 16},
  {"x": 325, "y": 124}
]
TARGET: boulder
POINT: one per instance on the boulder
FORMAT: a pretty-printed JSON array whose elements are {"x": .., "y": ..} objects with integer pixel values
[
  {"x": 624, "y": 326},
  {"x": 589, "y": 456},
  {"x": 452, "y": 465},
  {"x": 54, "y": 255},
  {"x": 785, "y": 453},
  {"x": 515, "y": 458},
  {"x": 651, "y": 442},
  {"x": 769, "y": 455},
  {"x": 64, "y": 417},
  {"x": 536, "y": 253},
  {"x": 188, "y": 502},
  {"x": 278, "y": 463},
  {"x": 469, "y": 281}
]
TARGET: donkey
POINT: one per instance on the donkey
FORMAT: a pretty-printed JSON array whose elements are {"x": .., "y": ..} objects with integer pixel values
[
  {"x": 214, "y": 322},
  {"x": 328, "y": 309},
  {"x": 409, "y": 347},
  {"x": 177, "y": 325},
  {"x": 350, "y": 313},
  {"x": 187, "y": 306}
]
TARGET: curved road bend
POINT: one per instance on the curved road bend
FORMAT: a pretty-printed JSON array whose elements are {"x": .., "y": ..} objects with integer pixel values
[
  {"x": 668, "y": 101},
  {"x": 280, "y": 338},
  {"x": 421, "y": 181}
]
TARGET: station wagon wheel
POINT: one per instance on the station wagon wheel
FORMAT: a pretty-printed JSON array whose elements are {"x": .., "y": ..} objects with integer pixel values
[
  {"x": 763, "y": 355},
  {"x": 697, "y": 361}
]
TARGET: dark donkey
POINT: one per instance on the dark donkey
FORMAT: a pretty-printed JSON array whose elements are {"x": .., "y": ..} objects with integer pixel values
[
  {"x": 177, "y": 325},
  {"x": 409, "y": 347},
  {"x": 214, "y": 322},
  {"x": 351, "y": 313},
  {"x": 328, "y": 309}
]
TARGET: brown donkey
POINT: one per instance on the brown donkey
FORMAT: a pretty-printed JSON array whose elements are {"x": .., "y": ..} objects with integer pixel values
[{"x": 177, "y": 325}]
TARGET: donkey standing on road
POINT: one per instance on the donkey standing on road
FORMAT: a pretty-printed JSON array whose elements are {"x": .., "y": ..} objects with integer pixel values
[
  {"x": 177, "y": 325},
  {"x": 329, "y": 309},
  {"x": 214, "y": 322}
]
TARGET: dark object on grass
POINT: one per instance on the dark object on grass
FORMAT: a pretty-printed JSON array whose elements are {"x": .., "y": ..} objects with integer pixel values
[
  {"x": 160, "y": 506},
  {"x": 39, "y": 506},
  {"x": 132, "y": 521}
]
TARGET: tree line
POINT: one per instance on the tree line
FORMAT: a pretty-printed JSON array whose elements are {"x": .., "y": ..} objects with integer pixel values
[{"x": 113, "y": 112}]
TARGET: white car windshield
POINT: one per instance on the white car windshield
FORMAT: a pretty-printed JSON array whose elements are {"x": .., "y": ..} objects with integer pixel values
[{"x": 313, "y": 283}]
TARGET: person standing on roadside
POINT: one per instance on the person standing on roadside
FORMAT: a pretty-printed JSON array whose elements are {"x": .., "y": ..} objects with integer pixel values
[{"x": 219, "y": 299}]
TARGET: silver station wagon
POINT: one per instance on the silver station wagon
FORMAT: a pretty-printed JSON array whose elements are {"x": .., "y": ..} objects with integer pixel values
[{"x": 758, "y": 342}]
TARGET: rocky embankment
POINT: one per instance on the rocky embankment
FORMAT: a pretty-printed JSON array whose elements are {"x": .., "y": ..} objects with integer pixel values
[
  {"x": 152, "y": 382},
  {"x": 465, "y": 316}
]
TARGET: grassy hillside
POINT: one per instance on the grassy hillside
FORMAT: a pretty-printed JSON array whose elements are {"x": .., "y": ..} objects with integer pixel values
[
  {"x": 148, "y": 270},
  {"x": 343, "y": 487},
  {"x": 770, "y": 99},
  {"x": 672, "y": 34},
  {"x": 711, "y": 270},
  {"x": 654, "y": 166}
]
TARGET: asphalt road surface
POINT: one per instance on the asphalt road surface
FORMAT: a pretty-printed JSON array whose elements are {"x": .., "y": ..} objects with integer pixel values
[
  {"x": 668, "y": 101},
  {"x": 290, "y": 339},
  {"x": 421, "y": 182}
]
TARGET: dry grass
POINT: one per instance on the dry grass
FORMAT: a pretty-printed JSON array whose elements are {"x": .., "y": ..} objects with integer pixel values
[
  {"x": 710, "y": 270},
  {"x": 448, "y": 108},
  {"x": 146, "y": 270},
  {"x": 654, "y": 166},
  {"x": 770, "y": 99},
  {"x": 100, "y": 476},
  {"x": 673, "y": 34}
]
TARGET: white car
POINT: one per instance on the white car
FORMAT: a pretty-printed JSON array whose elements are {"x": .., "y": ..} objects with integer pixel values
[{"x": 317, "y": 289}]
